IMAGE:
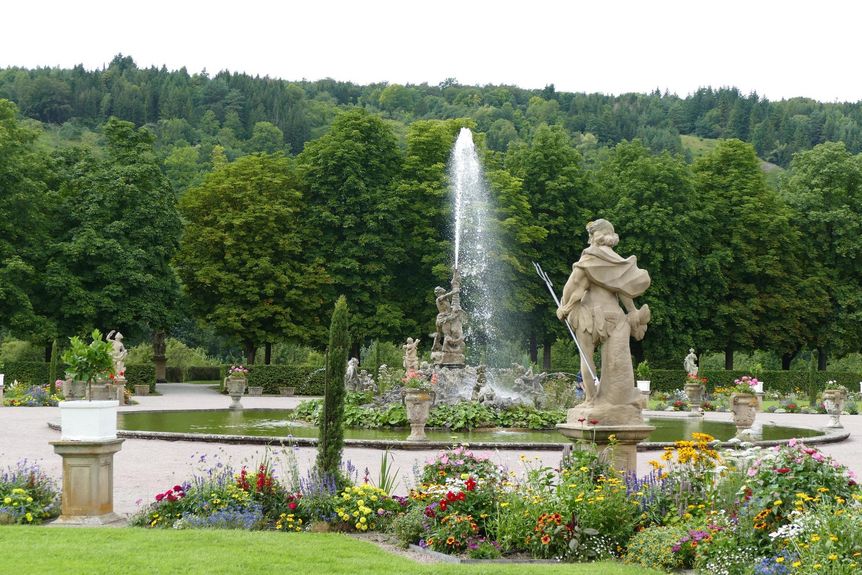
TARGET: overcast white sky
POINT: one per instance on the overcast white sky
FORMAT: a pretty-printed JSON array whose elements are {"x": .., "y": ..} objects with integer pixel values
[{"x": 780, "y": 49}]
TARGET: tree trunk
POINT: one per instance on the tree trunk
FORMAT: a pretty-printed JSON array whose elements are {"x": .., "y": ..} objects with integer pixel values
[
  {"x": 821, "y": 359},
  {"x": 355, "y": 350},
  {"x": 534, "y": 348},
  {"x": 637, "y": 349},
  {"x": 787, "y": 359},
  {"x": 159, "y": 357},
  {"x": 250, "y": 352},
  {"x": 728, "y": 358},
  {"x": 267, "y": 353},
  {"x": 48, "y": 347},
  {"x": 546, "y": 353}
]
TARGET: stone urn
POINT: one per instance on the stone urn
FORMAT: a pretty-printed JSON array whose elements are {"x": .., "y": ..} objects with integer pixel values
[
  {"x": 833, "y": 401},
  {"x": 74, "y": 389},
  {"x": 418, "y": 404},
  {"x": 744, "y": 409},
  {"x": 287, "y": 391},
  {"x": 101, "y": 392},
  {"x": 255, "y": 390},
  {"x": 694, "y": 392},
  {"x": 142, "y": 389},
  {"x": 235, "y": 388}
]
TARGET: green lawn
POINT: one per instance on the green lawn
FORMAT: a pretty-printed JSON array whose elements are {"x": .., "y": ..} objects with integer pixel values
[{"x": 109, "y": 551}]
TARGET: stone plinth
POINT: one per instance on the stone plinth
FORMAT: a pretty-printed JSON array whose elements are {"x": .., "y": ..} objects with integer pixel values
[
  {"x": 88, "y": 481},
  {"x": 625, "y": 439}
]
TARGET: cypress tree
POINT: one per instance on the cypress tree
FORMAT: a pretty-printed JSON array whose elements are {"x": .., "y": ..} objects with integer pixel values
[{"x": 331, "y": 431}]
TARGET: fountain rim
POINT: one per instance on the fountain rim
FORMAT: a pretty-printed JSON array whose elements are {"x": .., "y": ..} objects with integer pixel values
[{"x": 828, "y": 436}]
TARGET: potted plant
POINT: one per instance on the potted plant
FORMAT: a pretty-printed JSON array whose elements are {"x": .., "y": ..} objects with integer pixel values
[
  {"x": 834, "y": 398},
  {"x": 287, "y": 390},
  {"x": 90, "y": 420},
  {"x": 643, "y": 373},
  {"x": 743, "y": 401},
  {"x": 418, "y": 396},
  {"x": 235, "y": 382}
]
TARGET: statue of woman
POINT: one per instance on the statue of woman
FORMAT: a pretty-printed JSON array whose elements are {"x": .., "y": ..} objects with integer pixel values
[
  {"x": 690, "y": 362},
  {"x": 119, "y": 352},
  {"x": 600, "y": 281}
]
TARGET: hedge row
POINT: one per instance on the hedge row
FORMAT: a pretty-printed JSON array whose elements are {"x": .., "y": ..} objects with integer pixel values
[
  {"x": 781, "y": 381},
  {"x": 36, "y": 373},
  {"x": 307, "y": 381},
  {"x": 141, "y": 374},
  {"x": 28, "y": 372}
]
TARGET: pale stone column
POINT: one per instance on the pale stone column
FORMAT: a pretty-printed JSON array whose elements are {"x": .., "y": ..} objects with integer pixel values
[{"x": 88, "y": 481}]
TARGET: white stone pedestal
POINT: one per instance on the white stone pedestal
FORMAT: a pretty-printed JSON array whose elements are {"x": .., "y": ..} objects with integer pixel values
[{"x": 88, "y": 481}]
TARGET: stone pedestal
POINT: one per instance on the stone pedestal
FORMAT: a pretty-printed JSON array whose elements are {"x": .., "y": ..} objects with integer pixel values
[
  {"x": 645, "y": 399},
  {"x": 235, "y": 388},
  {"x": 622, "y": 439},
  {"x": 417, "y": 403},
  {"x": 833, "y": 401},
  {"x": 120, "y": 389},
  {"x": 694, "y": 391},
  {"x": 88, "y": 481}
]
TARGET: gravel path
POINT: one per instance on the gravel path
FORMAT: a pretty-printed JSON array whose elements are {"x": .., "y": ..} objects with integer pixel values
[{"x": 145, "y": 467}]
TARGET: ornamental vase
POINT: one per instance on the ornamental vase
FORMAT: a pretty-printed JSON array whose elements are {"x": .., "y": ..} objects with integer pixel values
[
  {"x": 417, "y": 403},
  {"x": 833, "y": 401},
  {"x": 694, "y": 391},
  {"x": 744, "y": 408},
  {"x": 235, "y": 388}
]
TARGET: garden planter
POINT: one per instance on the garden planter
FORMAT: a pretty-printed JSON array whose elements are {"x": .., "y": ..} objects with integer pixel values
[
  {"x": 287, "y": 391},
  {"x": 88, "y": 420},
  {"x": 255, "y": 390},
  {"x": 833, "y": 401},
  {"x": 644, "y": 387},
  {"x": 744, "y": 408},
  {"x": 235, "y": 387},
  {"x": 74, "y": 389},
  {"x": 694, "y": 392},
  {"x": 141, "y": 389},
  {"x": 418, "y": 403},
  {"x": 101, "y": 392}
]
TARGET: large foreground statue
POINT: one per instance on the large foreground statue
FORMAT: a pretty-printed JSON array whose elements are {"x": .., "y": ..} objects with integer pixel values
[{"x": 600, "y": 281}]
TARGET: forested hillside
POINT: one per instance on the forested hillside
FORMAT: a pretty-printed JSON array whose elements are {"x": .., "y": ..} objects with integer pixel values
[{"x": 251, "y": 114}]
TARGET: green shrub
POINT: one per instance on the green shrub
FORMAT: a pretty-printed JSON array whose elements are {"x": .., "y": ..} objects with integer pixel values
[
  {"x": 204, "y": 373},
  {"x": 19, "y": 350},
  {"x": 652, "y": 547},
  {"x": 779, "y": 380},
  {"x": 410, "y": 527},
  {"x": 174, "y": 374},
  {"x": 27, "y": 372},
  {"x": 177, "y": 353},
  {"x": 306, "y": 380},
  {"x": 141, "y": 374}
]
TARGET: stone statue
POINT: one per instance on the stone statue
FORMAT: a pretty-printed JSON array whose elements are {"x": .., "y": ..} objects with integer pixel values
[
  {"x": 365, "y": 383},
  {"x": 690, "y": 362},
  {"x": 600, "y": 281},
  {"x": 351, "y": 374},
  {"x": 119, "y": 352},
  {"x": 411, "y": 356},
  {"x": 448, "y": 346}
]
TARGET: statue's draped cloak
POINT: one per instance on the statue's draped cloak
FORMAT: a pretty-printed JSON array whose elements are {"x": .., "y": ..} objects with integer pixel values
[{"x": 606, "y": 268}]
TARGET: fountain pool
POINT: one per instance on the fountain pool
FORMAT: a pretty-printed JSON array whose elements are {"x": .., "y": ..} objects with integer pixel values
[{"x": 271, "y": 425}]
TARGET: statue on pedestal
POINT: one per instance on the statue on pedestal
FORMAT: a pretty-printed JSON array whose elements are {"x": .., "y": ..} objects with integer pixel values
[
  {"x": 411, "y": 355},
  {"x": 690, "y": 362},
  {"x": 119, "y": 352},
  {"x": 448, "y": 347},
  {"x": 601, "y": 280}
]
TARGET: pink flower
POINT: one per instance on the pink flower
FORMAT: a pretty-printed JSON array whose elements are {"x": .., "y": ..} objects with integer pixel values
[
  {"x": 792, "y": 442},
  {"x": 752, "y": 472},
  {"x": 818, "y": 457}
]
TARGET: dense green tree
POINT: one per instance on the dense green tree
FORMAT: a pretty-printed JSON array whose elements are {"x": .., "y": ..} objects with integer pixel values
[
  {"x": 561, "y": 203},
  {"x": 243, "y": 259},
  {"x": 117, "y": 228},
  {"x": 331, "y": 438},
  {"x": 749, "y": 240},
  {"x": 824, "y": 190},
  {"x": 350, "y": 176},
  {"x": 23, "y": 226},
  {"x": 653, "y": 210}
]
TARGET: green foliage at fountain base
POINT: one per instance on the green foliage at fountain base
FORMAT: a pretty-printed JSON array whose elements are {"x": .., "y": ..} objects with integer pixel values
[{"x": 468, "y": 415}]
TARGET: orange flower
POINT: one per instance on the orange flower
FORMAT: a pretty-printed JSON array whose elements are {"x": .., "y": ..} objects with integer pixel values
[
  {"x": 450, "y": 540},
  {"x": 546, "y": 539}
]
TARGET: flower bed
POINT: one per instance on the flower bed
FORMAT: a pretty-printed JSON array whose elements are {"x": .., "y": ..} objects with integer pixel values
[{"x": 27, "y": 495}]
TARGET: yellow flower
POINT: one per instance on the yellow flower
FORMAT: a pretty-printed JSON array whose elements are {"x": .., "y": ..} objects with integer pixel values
[
  {"x": 797, "y": 564},
  {"x": 779, "y": 559},
  {"x": 832, "y": 557},
  {"x": 7, "y": 500},
  {"x": 822, "y": 489},
  {"x": 777, "y": 502}
]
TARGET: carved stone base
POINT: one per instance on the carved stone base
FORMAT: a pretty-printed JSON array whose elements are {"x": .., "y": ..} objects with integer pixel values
[
  {"x": 452, "y": 359},
  {"x": 88, "y": 481},
  {"x": 622, "y": 440}
]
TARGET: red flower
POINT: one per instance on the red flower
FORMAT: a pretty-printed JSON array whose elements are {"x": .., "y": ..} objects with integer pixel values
[
  {"x": 160, "y": 496},
  {"x": 461, "y": 496},
  {"x": 177, "y": 488},
  {"x": 782, "y": 470},
  {"x": 470, "y": 484},
  {"x": 291, "y": 505},
  {"x": 594, "y": 421},
  {"x": 451, "y": 496},
  {"x": 442, "y": 505}
]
